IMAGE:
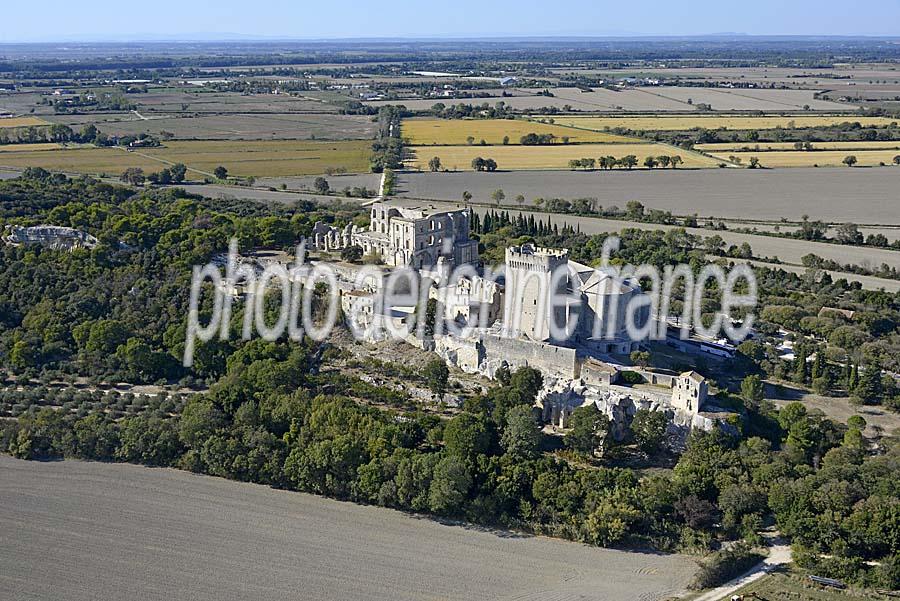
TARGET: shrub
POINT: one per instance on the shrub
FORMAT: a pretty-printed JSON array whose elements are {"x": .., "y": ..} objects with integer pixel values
[{"x": 722, "y": 566}]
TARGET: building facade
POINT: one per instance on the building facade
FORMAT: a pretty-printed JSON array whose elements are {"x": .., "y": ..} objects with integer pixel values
[
  {"x": 406, "y": 237},
  {"x": 592, "y": 307}
]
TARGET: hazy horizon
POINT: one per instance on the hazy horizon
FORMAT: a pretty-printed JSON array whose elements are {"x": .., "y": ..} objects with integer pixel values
[{"x": 105, "y": 21}]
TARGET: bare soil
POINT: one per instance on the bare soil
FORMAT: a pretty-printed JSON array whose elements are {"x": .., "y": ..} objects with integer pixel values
[{"x": 84, "y": 531}]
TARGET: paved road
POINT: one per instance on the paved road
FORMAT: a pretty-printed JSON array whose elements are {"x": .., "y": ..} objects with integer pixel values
[{"x": 85, "y": 531}]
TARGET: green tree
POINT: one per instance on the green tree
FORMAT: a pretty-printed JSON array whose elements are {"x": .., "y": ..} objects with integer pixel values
[
  {"x": 22, "y": 355},
  {"x": 96, "y": 437},
  {"x": 200, "y": 418},
  {"x": 869, "y": 390},
  {"x": 753, "y": 390},
  {"x": 436, "y": 375},
  {"x": 434, "y": 164},
  {"x": 450, "y": 485},
  {"x": 351, "y": 254},
  {"x": 850, "y": 160},
  {"x": 589, "y": 430},
  {"x": 640, "y": 358},
  {"x": 321, "y": 185},
  {"x": 220, "y": 172},
  {"x": 649, "y": 430},
  {"x": 133, "y": 176},
  {"x": 178, "y": 171},
  {"x": 522, "y": 435},
  {"x": 610, "y": 521},
  {"x": 629, "y": 162},
  {"x": 467, "y": 436}
]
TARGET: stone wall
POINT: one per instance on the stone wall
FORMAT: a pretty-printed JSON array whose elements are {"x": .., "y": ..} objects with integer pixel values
[{"x": 556, "y": 360}]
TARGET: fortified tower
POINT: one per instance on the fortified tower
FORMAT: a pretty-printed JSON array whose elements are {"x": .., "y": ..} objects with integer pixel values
[{"x": 529, "y": 271}]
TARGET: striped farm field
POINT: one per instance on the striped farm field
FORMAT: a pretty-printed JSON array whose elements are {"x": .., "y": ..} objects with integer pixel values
[
  {"x": 21, "y": 122},
  {"x": 684, "y": 122},
  {"x": 557, "y": 156},
  {"x": 766, "y": 146},
  {"x": 451, "y": 132},
  {"x": 821, "y": 158}
]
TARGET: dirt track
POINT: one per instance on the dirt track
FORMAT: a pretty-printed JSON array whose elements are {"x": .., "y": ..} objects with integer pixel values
[{"x": 80, "y": 531}]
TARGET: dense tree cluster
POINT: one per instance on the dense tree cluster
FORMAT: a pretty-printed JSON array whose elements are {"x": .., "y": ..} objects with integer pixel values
[
  {"x": 117, "y": 311},
  {"x": 387, "y": 149},
  {"x": 270, "y": 420}
]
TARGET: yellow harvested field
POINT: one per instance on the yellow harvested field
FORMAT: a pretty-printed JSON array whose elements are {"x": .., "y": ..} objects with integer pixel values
[
  {"x": 450, "y": 132},
  {"x": 557, "y": 156},
  {"x": 261, "y": 159},
  {"x": 765, "y": 146},
  {"x": 271, "y": 158},
  {"x": 109, "y": 161},
  {"x": 716, "y": 122},
  {"x": 821, "y": 158},
  {"x": 26, "y": 147},
  {"x": 21, "y": 122}
]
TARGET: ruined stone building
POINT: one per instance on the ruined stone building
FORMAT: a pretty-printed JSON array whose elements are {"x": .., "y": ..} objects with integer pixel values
[
  {"x": 406, "y": 237},
  {"x": 54, "y": 236}
]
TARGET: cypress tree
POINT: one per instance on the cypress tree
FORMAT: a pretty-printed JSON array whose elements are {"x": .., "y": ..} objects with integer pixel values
[{"x": 819, "y": 364}]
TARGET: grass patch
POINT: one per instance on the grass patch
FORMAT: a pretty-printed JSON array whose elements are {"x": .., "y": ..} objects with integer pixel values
[{"x": 793, "y": 586}]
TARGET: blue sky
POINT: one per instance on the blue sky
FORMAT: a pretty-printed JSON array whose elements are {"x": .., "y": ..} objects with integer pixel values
[{"x": 49, "y": 20}]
